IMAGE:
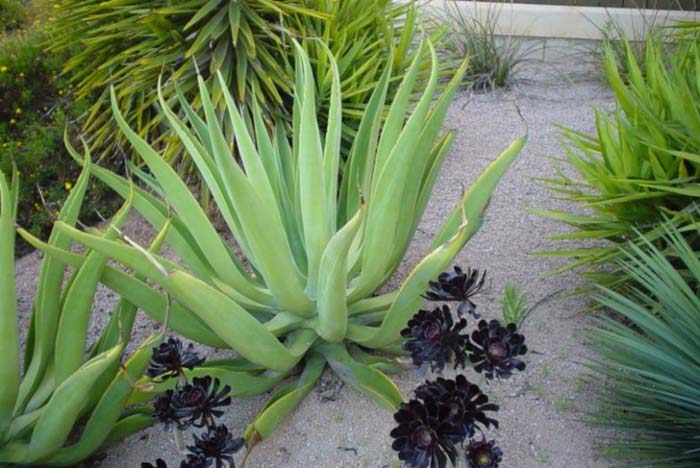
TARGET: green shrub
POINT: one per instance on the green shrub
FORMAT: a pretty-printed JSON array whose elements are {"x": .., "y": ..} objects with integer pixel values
[
  {"x": 649, "y": 354},
  {"x": 494, "y": 58},
  {"x": 621, "y": 44},
  {"x": 36, "y": 106},
  {"x": 643, "y": 164},
  {"x": 320, "y": 235},
  {"x": 12, "y": 15},
  {"x": 128, "y": 46}
]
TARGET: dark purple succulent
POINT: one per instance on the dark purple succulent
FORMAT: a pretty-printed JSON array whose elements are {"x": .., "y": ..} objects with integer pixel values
[
  {"x": 196, "y": 460},
  {"x": 169, "y": 359},
  {"x": 458, "y": 286},
  {"x": 483, "y": 454},
  {"x": 160, "y": 463},
  {"x": 163, "y": 411},
  {"x": 466, "y": 404},
  {"x": 425, "y": 436},
  {"x": 217, "y": 445},
  {"x": 494, "y": 349},
  {"x": 433, "y": 338},
  {"x": 196, "y": 403}
]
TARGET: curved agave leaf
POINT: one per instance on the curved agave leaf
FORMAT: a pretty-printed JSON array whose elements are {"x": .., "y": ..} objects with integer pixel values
[
  {"x": 9, "y": 338},
  {"x": 47, "y": 308},
  {"x": 284, "y": 401},
  {"x": 362, "y": 378}
]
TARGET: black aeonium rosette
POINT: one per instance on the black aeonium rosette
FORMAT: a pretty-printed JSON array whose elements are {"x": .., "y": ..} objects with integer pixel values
[
  {"x": 425, "y": 436},
  {"x": 458, "y": 286},
  {"x": 467, "y": 405},
  {"x": 163, "y": 411},
  {"x": 432, "y": 337},
  {"x": 196, "y": 460},
  {"x": 170, "y": 359},
  {"x": 160, "y": 463},
  {"x": 494, "y": 349},
  {"x": 217, "y": 445},
  {"x": 483, "y": 454},
  {"x": 197, "y": 403}
]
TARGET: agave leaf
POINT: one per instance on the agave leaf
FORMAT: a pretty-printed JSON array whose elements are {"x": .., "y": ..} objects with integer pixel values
[
  {"x": 244, "y": 333},
  {"x": 356, "y": 180},
  {"x": 476, "y": 199},
  {"x": 365, "y": 379},
  {"x": 128, "y": 425},
  {"x": 109, "y": 408},
  {"x": 384, "y": 206},
  {"x": 9, "y": 339},
  {"x": 47, "y": 311},
  {"x": 54, "y": 425},
  {"x": 73, "y": 324},
  {"x": 184, "y": 203},
  {"x": 410, "y": 295},
  {"x": 284, "y": 401},
  {"x": 181, "y": 320},
  {"x": 261, "y": 221},
  {"x": 314, "y": 211},
  {"x": 332, "y": 306}
]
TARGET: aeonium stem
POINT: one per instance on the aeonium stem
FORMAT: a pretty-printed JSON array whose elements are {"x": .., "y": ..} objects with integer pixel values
[
  {"x": 179, "y": 441},
  {"x": 254, "y": 439}
]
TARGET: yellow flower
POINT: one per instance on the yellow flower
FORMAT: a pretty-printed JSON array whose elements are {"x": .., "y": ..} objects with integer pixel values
[
  {"x": 18, "y": 111},
  {"x": 21, "y": 75},
  {"x": 60, "y": 92},
  {"x": 12, "y": 121},
  {"x": 68, "y": 186},
  {"x": 37, "y": 206},
  {"x": 3, "y": 68}
]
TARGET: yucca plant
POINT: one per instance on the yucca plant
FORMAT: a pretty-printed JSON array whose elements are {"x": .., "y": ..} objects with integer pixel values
[
  {"x": 318, "y": 236},
  {"x": 59, "y": 405},
  {"x": 129, "y": 44},
  {"x": 648, "y": 351},
  {"x": 643, "y": 163}
]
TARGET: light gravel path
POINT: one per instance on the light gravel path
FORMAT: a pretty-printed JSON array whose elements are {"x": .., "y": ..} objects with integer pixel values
[{"x": 540, "y": 408}]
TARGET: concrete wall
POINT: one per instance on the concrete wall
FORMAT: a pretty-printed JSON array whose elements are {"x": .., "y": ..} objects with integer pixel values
[{"x": 565, "y": 22}]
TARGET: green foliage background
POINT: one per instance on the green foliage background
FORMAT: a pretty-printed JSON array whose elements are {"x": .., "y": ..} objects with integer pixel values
[
  {"x": 647, "y": 356},
  {"x": 12, "y": 15},
  {"x": 36, "y": 106},
  {"x": 642, "y": 164},
  {"x": 249, "y": 42}
]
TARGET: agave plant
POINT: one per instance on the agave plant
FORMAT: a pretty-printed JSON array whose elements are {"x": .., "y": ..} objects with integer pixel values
[
  {"x": 59, "y": 405},
  {"x": 648, "y": 356},
  {"x": 643, "y": 163},
  {"x": 318, "y": 236},
  {"x": 130, "y": 43}
]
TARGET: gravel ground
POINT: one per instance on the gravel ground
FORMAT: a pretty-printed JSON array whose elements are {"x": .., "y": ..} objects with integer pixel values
[{"x": 541, "y": 407}]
